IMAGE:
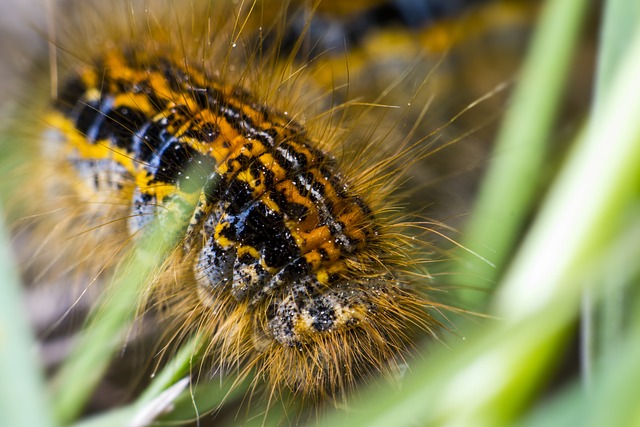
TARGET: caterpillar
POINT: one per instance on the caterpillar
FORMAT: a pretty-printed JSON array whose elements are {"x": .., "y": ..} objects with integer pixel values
[
  {"x": 281, "y": 249},
  {"x": 290, "y": 253}
]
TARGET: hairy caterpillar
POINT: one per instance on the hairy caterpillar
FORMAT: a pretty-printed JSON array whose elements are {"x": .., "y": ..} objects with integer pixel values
[{"x": 328, "y": 296}]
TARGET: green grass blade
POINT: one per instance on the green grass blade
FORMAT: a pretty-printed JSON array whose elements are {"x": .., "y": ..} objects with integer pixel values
[
  {"x": 588, "y": 203},
  {"x": 611, "y": 400},
  {"x": 620, "y": 19},
  {"x": 602, "y": 325},
  {"x": 108, "y": 324},
  {"x": 512, "y": 182},
  {"x": 99, "y": 340},
  {"x": 22, "y": 397},
  {"x": 178, "y": 367}
]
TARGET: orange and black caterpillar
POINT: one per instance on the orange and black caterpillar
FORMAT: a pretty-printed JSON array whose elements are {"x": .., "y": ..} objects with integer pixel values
[{"x": 291, "y": 270}]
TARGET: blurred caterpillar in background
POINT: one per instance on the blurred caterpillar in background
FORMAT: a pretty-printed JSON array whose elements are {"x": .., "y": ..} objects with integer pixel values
[{"x": 293, "y": 255}]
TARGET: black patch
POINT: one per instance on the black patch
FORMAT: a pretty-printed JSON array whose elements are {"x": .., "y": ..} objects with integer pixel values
[
  {"x": 71, "y": 92},
  {"x": 238, "y": 163},
  {"x": 207, "y": 98},
  {"x": 259, "y": 170},
  {"x": 178, "y": 163},
  {"x": 228, "y": 231},
  {"x": 150, "y": 141},
  {"x": 122, "y": 123},
  {"x": 239, "y": 194},
  {"x": 206, "y": 132},
  {"x": 309, "y": 290},
  {"x": 87, "y": 117},
  {"x": 291, "y": 210},
  {"x": 323, "y": 316},
  {"x": 214, "y": 187},
  {"x": 294, "y": 271},
  {"x": 271, "y": 311},
  {"x": 174, "y": 76},
  {"x": 264, "y": 230}
]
